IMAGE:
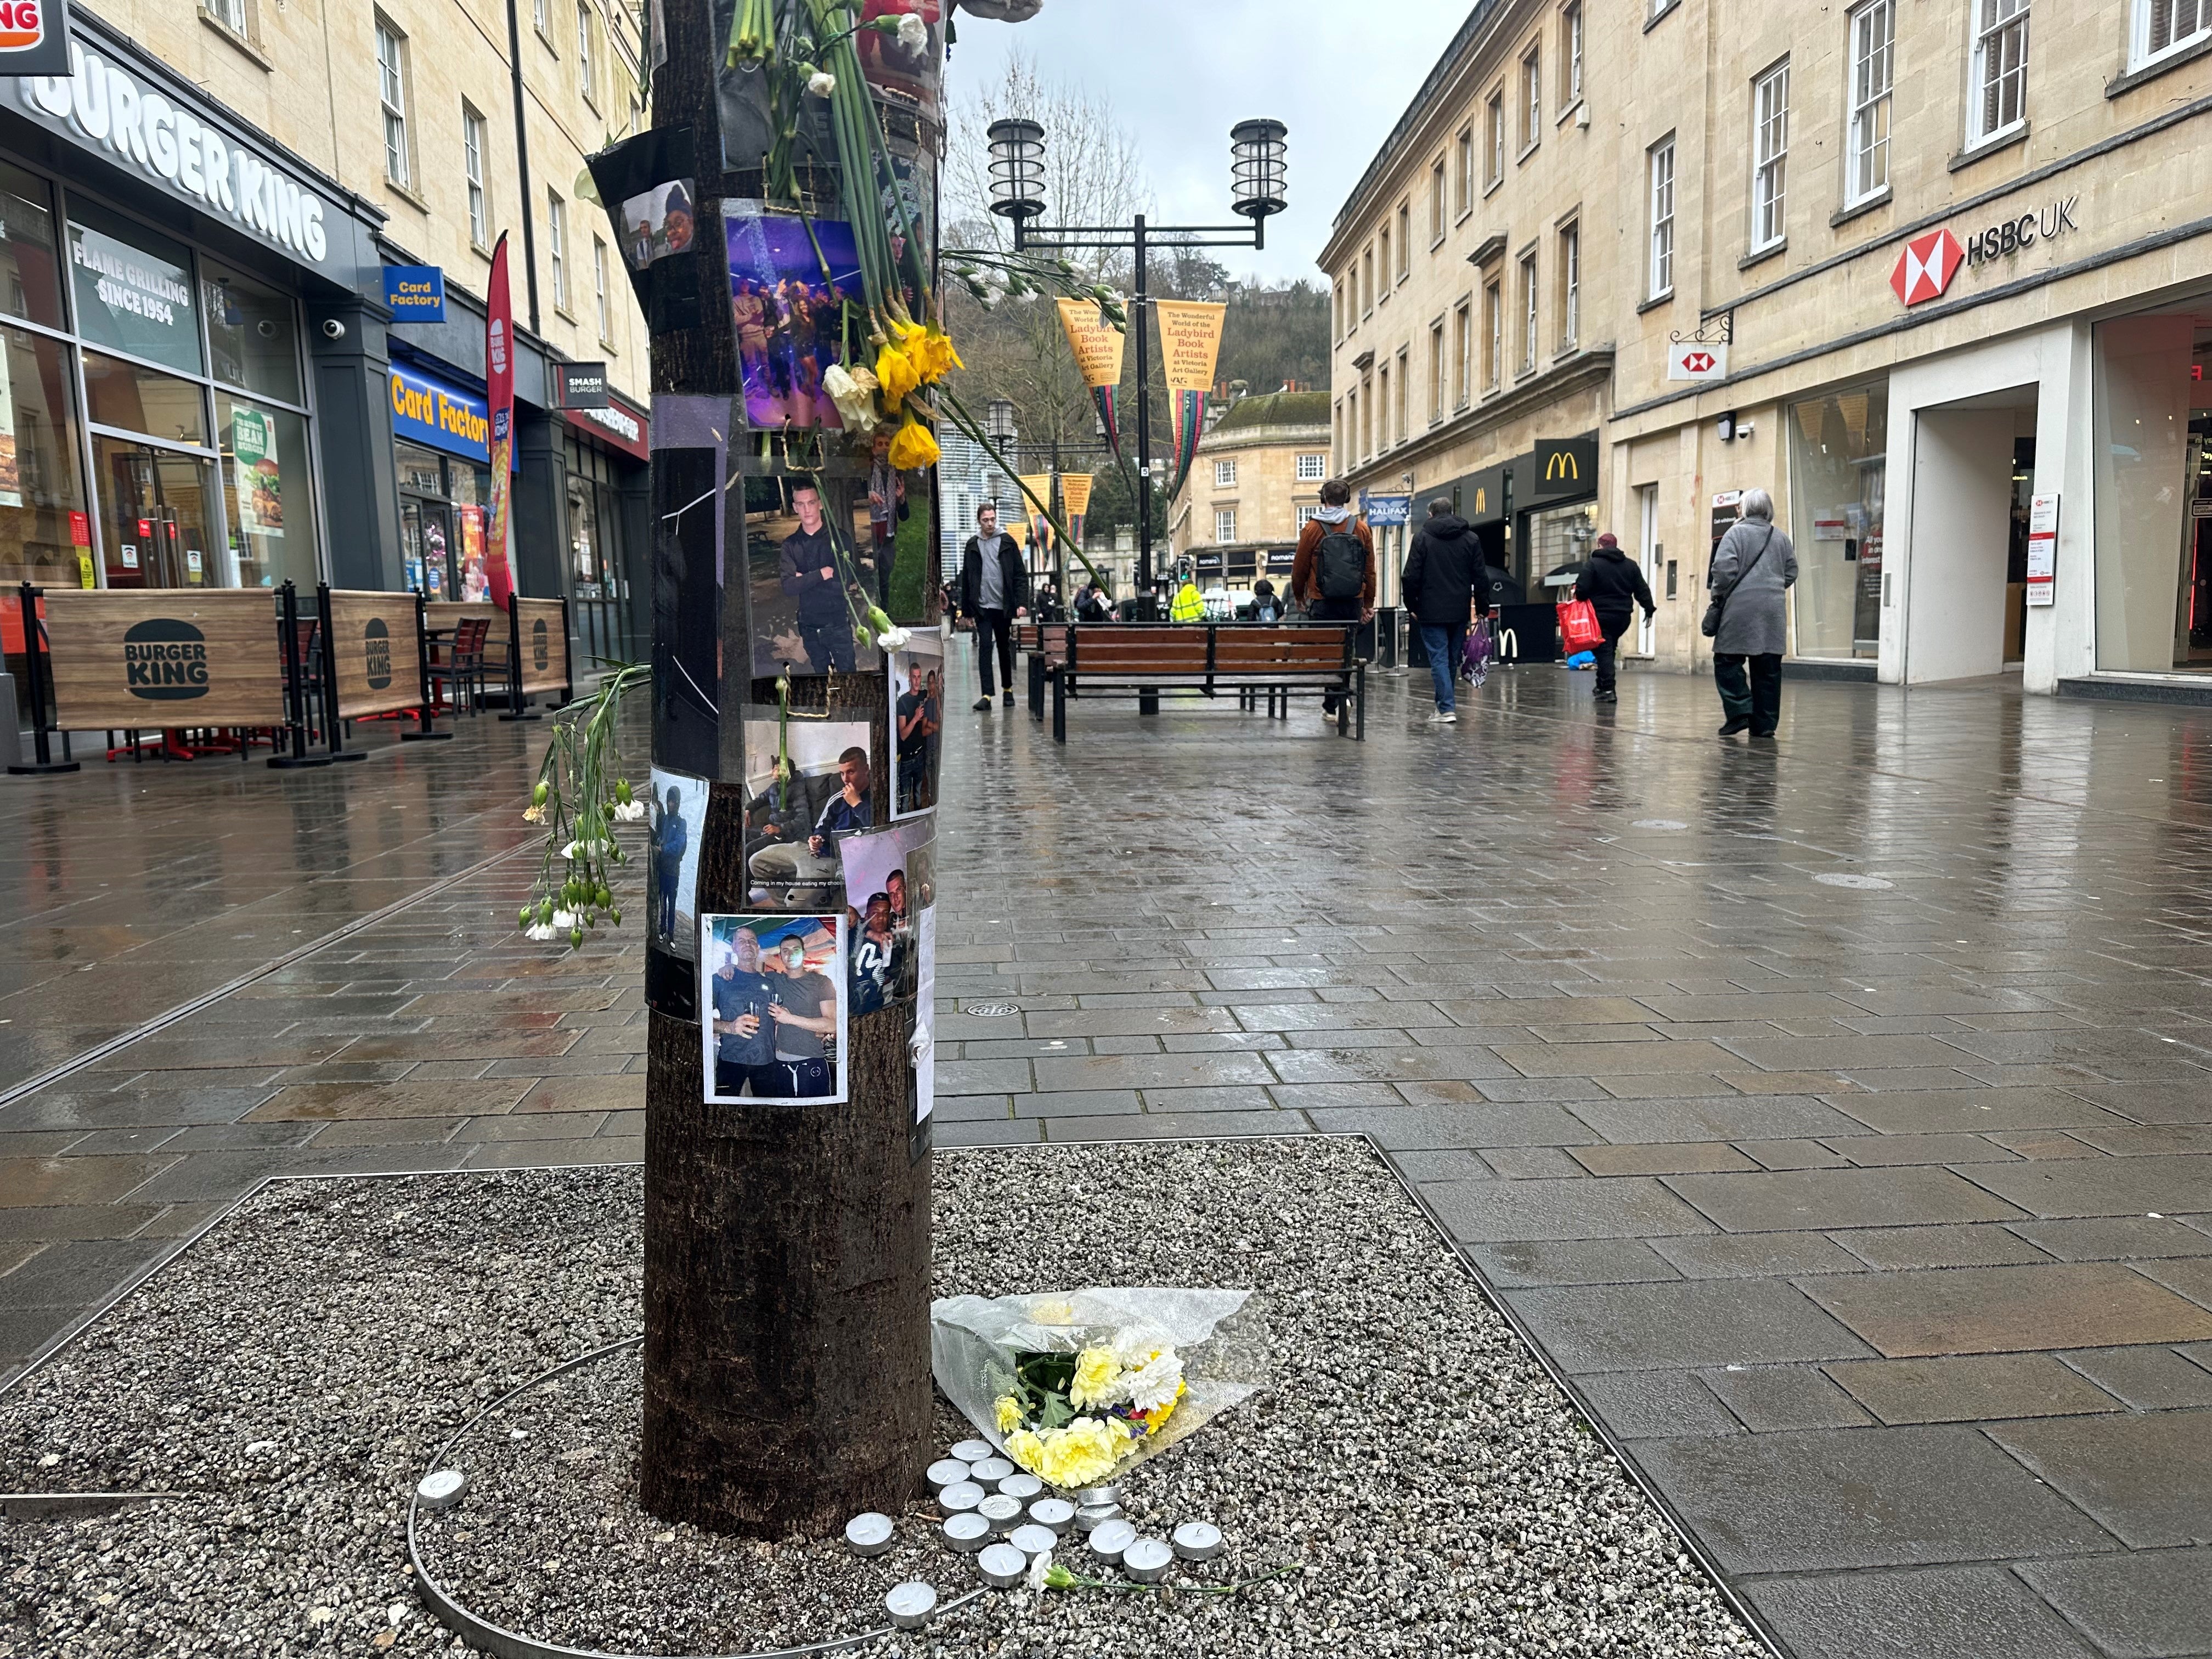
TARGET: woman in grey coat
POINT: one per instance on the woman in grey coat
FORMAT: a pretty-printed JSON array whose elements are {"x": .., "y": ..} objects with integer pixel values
[{"x": 1753, "y": 568}]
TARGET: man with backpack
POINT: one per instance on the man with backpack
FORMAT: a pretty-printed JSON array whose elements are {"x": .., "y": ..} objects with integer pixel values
[
  {"x": 1334, "y": 571},
  {"x": 1441, "y": 571},
  {"x": 1614, "y": 588}
]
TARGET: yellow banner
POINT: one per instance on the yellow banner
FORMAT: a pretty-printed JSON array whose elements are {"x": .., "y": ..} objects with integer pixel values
[
  {"x": 1190, "y": 342},
  {"x": 1096, "y": 346},
  {"x": 1075, "y": 495},
  {"x": 1036, "y": 490}
]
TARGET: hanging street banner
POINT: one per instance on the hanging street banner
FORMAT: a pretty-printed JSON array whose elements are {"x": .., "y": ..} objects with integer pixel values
[
  {"x": 1098, "y": 348},
  {"x": 1190, "y": 348},
  {"x": 1036, "y": 491},
  {"x": 499, "y": 384},
  {"x": 1074, "y": 502}
]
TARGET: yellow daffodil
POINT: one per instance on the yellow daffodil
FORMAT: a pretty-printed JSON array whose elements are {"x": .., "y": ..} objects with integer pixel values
[
  {"x": 1010, "y": 1414},
  {"x": 912, "y": 447},
  {"x": 897, "y": 374},
  {"x": 934, "y": 355},
  {"x": 1097, "y": 1374}
]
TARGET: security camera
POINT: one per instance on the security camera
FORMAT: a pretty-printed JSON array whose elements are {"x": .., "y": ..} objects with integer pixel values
[
  {"x": 266, "y": 328},
  {"x": 333, "y": 329}
]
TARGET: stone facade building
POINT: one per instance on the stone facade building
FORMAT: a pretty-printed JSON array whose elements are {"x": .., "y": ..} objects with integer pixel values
[
  {"x": 1941, "y": 273},
  {"x": 1256, "y": 483},
  {"x": 198, "y": 221}
]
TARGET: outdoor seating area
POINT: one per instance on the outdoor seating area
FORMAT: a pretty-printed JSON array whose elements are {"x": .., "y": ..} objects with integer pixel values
[{"x": 1141, "y": 659}]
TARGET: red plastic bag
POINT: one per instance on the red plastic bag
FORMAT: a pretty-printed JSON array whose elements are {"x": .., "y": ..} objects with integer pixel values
[{"x": 1579, "y": 626}]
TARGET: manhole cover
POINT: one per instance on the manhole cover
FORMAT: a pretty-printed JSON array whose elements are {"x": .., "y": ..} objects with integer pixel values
[
  {"x": 1659, "y": 823},
  {"x": 1000, "y": 1009},
  {"x": 1862, "y": 884}
]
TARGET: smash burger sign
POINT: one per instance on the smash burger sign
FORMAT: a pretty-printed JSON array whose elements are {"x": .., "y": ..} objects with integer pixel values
[{"x": 1924, "y": 269}]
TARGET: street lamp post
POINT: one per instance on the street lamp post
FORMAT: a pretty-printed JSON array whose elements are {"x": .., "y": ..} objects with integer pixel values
[{"x": 1258, "y": 172}]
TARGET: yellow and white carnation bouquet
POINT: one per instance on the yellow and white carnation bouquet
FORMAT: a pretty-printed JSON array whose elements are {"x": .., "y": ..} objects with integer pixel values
[{"x": 1074, "y": 1388}]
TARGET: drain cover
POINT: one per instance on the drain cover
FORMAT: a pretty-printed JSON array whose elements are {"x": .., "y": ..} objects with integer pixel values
[
  {"x": 1000, "y": 1009},
  {"x": 1863, "y": 884}
]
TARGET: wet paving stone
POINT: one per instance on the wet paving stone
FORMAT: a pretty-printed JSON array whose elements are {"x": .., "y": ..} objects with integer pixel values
[{"x": 2011, "y": 1309}]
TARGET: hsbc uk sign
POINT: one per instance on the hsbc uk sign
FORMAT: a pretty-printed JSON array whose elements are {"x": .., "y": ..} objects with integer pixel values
[{"x": 1924, "y": 269}]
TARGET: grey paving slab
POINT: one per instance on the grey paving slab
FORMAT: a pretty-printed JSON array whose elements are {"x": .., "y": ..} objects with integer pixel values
[
  {"x": 1838, "y": 1198},
  {"x": 1976, "y": 1389},
  {"x": 2148, "y": 1479},
  {"x": 1630, "y": 1207},
  {"x": 2102, "y": 1186},
  {"x": 2115, "y": 1238},
  {"x": 1650, "y": 1405},
  {"x": 1703, "y": 1322},
  {"x": 2150, "y": 1379},
  {"x": 2150, "y": 1604},
  {"x": 2010, "y": 1309},
  {"x": 1570, "y": 1262},
  {"x": 1427, "y": 1127},
  {"x": 1960, "y": 1612}
]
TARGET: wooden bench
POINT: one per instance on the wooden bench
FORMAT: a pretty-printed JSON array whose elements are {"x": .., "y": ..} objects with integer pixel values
[
  {"x": 1281, "y": 661},
  {"x": 1045, "y": 645}
]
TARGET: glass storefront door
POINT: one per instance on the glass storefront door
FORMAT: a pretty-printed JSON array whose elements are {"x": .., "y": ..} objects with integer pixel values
[
  {"x": 1839, "y": 480},
  {"x": 426, "y": 536},
  {"x": 154, "y": 523}
]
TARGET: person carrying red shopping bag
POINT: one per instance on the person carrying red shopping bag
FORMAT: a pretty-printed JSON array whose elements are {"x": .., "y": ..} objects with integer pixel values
[{"x": 1608, "y": 591}]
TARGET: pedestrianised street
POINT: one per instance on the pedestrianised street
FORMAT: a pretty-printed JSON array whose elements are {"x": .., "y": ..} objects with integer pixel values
[{"x": 1833, "y": 1117}]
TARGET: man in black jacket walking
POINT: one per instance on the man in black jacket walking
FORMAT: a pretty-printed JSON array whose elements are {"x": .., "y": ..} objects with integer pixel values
[
  {"x": 1441, "y": 571},
  {"x": 1614, "y": 588},
  {"x": 995, "y": 586}
]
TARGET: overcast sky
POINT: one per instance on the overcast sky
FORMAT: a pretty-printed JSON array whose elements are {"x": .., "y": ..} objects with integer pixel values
[{"x": 1181, "y": 73}]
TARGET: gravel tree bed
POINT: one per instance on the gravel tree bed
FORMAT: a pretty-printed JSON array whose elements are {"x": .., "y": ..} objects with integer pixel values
[{"x": 293, "y": 1373}]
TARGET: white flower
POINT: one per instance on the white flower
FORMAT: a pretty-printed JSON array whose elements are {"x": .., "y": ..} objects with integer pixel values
[
  {"x": 895, "y": 639},
  {"x": 913, "y": 32},
  {"x": 538, "y": 931},
  {"x": 629, "y": 812},
  {"x": 570, "y": 851},
  {"x": 821, "y": 84},
  {"x": 1135, "y": 1344},
  {"x": 1153, "y": 1384},
  {"x": 565, "y": 920},
  {"x": 1041, "y": 1562},
  {"x": 854, "y": 394}
]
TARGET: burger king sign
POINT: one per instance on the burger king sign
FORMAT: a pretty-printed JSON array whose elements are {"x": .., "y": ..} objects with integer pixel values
[{"x": 34, "y": 36}]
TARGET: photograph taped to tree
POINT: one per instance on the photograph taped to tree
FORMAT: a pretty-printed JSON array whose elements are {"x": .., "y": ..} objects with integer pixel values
[
  {"x": 884, "y": 896},
  {"x": 656, "y": 223},
  {"x": 925, "y": 1014},
  {"x": 917, "y": 693},
  {"x": 791, "y": 281},
  {"x": 679, "y": 809},
  {"x": 810, "y": 559},
  {"x": 794, "y": 825},
  {"x": 772, "y": 1005}
]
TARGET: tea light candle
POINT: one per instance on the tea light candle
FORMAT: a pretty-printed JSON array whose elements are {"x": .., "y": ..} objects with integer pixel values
[
  {"x": 1146, "y": 1560},
  {"x": 441, "y": 1489},
  {"x": 1001, "y": 1511},
  {"x": 910, "y": 1604},
  {"x": 1056, "y": 1513},
  {"x": 965, "y": 1532},
  {"x": 1197, "y": 1540},
  {"x": 1092, "y": 1516},
  {"x": 1110, "y": 1538},
  {"x": 1024, "y": 1486},
  {"x": 973, "y": 1451},
  {"x": 869, "y": 1533},
  {"x": 1090, "y": 1495},
  {"x": 1033, "y": 1541},
  {"x": 990, "y": 1470},
  {"x": 1002, "y": 1566},
  {"x": 946, "y": 1471},
  {"x": 961, "y": 1495}
]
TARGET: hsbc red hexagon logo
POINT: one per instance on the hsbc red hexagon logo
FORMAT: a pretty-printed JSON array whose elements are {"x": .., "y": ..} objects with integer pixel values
[
  {"x": 1926, "y": 267},
  {"x": 1697, "y": 361}
]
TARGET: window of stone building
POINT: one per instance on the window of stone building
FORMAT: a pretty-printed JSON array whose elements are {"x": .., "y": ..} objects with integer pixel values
[
  {"x": 1873, "y": 71},
  {"x": 2000, "y": 101},
  {"x": 1367, "y": 282},
  {"x": 392, "y": 96},
  {"x": 1571, "y": 284},
  {"x": 600, "y": 311},
  {"x": 1466, "y": 170},
  {"x": 1770, "y": 155},
  {"x": 1493, "y": 314},
  {"x": 1383, "y": 243},
  {"x": 1225, "y": 523},
  {"x": 472, "y": 172},
  {"x": 2161, "y": 26},
  {"x": 1571, "y": 56},
  {"x": 587, "y": 80},
  {"x": 1382, "y": 422},
  {"x": 1662, "y": 217},
  {"x": 1497, "y": 137},
  {"x": 1225, "y": 475},
  {"x": 1312, "y": 469},
  {"x": 1436, "y": 371},
  {"x": 1405, "y": 399},
  {"x": 1437, "y": 202},
  {"x": 1463, "y": 355},
  {"x": 1404, "y": 240},
  {"x": 1532, "y": 100},
  {"x": 1527, "y": 313},
  {"x": 556, "y": 244}
]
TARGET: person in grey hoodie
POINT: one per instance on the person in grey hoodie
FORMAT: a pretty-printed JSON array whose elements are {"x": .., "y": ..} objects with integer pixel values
[{"x": 1753, "y": 568}]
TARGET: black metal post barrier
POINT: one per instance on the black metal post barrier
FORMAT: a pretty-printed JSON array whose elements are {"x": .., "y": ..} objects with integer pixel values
[
  {"x": 338, "y": 749},
  {"x": 296, "y": 693},
  {"x": 569, "y": 655},
  {"x": 430, "y": 733},
  {"x": 34, "y": 674},
  {"x": 517, "y": 709}
]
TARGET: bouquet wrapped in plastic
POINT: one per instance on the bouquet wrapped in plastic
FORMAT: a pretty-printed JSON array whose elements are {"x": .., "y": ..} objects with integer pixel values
[{"x": 1075, "y": 1386}]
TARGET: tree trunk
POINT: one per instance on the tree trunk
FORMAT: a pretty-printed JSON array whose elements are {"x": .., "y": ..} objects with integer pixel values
[{"x": 787, "y": 1247}]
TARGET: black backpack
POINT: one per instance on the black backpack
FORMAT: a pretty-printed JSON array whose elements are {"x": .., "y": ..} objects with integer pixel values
[{"x": 1340, "y": 563}]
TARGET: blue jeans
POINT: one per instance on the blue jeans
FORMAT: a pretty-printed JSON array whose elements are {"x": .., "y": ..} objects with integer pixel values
[{"x": 1444, "y": 644}]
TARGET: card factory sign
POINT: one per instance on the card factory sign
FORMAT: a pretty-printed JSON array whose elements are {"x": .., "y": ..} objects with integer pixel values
[{"x": 112, "y": 108}]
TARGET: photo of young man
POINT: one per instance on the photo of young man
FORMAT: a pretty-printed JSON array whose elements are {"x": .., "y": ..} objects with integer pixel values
[
  {"x": 808, "y": 567},
  {"x": 917, "y": 721},
  {"x": 773, "y": 990}
]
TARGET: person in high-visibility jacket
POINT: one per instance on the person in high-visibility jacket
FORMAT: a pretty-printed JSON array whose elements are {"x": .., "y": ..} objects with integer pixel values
[{"x": 1187, "y": 606}]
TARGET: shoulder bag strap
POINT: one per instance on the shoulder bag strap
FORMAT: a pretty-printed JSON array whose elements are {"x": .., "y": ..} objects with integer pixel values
[{"x": 1744, "y": 573}]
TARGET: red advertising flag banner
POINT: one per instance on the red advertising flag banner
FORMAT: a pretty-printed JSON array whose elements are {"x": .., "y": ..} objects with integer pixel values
[{"x": 499, "y": 382}]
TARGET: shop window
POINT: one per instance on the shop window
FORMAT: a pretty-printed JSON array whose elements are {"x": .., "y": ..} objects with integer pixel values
[
  {"x": 2000, "y": 67},
  {"x": 1873, "y": 70},
  {"x": 2152, "y": 429},
  {"x": 253, "y": 334},
  {"x": 41, "y": 492},
  {"x": 133, "y": 288},
  {"x": 267, "y": 500},
  {"x": 391, "y": 97},
  {"x": 1838, "y": 456},
  {"x": 30, "y": 265},
  {"x": 2166, "y": 26},
  {"x": 135, "y": 400}
]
